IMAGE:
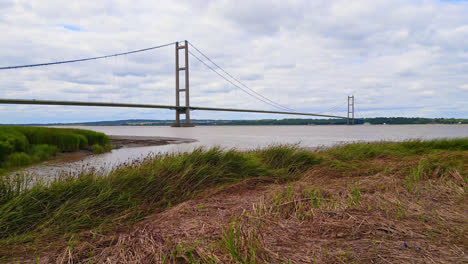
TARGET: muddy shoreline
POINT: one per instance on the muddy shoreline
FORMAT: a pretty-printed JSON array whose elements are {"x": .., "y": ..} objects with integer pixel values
[
  {"x": 140, "y": 141},
  {"x": 119, "y": 142}
]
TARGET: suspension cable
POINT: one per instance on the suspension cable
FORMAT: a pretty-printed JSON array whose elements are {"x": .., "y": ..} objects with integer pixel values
[
  {"x": 277, "y": 105},
  {"x": 222, "y": 76},
  {"x": 85, "y": 59}
]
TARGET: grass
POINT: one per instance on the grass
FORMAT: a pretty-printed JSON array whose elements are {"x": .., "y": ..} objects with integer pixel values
[
  {"x": 98, "y": 149},
  {"x": 21, "y": 146},
  {"x": 292, "y": 159},
  {"x": 88, "y": 201},
  {"x": 241, "y": 244},
  {"x": 362, "y": 151},
  {"x": 69, "y": 206}
]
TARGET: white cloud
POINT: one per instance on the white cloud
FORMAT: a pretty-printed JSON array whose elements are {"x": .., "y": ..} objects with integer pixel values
[
  {"x": 464, "y": 87},
  {"x": 415, "y": 86},
  {"x": 307, "y": 55},
  {"x": 427, "y": 92}
]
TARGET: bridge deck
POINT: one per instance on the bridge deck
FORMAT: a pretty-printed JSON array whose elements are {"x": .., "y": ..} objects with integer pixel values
[{"x": 181, "y": 108}]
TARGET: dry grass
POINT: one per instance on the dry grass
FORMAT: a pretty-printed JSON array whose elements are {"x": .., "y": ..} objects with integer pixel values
[
  {"x": 372, "y": 218},
  {"x": 378, "y": 209}
]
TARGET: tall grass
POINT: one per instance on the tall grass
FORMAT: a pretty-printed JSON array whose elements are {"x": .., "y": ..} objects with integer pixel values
[
  {"x": 21, "y": 146},
  {"x": 12, "y": 186},
  {"x": 361, "y": 151},
  {"x": 89, "y": 200},
  {"x": 288, "y": 157},
  {"x": 64, "y": 139}
]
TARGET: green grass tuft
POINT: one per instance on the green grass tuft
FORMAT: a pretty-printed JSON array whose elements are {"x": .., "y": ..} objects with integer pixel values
[
  {"x": 290, "y": 158},
  {"x": 43, "y": 152},
  {"x": 18, "y": 159},
  {"x": 97, "y": 149}
]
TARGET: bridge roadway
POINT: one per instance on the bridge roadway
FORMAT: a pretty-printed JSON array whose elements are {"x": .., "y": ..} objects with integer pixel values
[{"x": 180, "y": 108}]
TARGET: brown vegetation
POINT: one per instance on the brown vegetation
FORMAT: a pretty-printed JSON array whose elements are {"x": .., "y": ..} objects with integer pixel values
[
  {"x": 378, "y": 215},
  {"x": 361, "y": 203}
]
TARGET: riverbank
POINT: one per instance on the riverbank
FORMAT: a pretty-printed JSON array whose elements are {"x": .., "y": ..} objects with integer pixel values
[
  {"x": 141, "y": 141},
  {"x": 118, "y": 142},
  {"x": 380, "y": 202},
  {"x": 51, "y": 167}
]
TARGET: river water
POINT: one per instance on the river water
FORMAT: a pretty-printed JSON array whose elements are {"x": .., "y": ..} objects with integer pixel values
[{"x": 241, "y": 138}]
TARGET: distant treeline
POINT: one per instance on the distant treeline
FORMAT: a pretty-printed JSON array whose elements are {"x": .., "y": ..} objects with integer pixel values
[
  {"x": 372, "y": 121},
  {"x": 289, "y": 121}
]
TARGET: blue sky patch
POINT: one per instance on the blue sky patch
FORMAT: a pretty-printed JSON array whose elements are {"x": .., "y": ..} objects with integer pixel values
[{"x": 71, "y": 27}]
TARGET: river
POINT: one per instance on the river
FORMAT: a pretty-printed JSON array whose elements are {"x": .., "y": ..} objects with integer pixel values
[{"x": 241, "y": 138}]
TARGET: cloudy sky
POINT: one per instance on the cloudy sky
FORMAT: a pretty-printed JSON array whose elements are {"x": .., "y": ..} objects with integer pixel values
[{"x": 399, "y": 57}]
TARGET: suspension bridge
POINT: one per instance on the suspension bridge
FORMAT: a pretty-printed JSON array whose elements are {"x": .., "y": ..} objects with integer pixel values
[{"x": 182, "y": 92}]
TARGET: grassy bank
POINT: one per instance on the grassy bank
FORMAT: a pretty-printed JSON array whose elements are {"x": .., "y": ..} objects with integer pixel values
[
  {"x": 305, "y": 186},
  {"x": 21, "y": 146},
  {"x": 90, "y": 200}
]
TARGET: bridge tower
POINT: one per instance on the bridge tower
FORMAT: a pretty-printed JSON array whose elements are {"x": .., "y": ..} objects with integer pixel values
[
  {"x": 350, "y": 110},
  {"x": 186, "y": 109}
]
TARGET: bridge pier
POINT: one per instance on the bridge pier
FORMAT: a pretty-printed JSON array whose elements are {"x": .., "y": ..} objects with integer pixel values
[
  {"x": 350, "y": 107},
  {"x": 182, "y": 110}
]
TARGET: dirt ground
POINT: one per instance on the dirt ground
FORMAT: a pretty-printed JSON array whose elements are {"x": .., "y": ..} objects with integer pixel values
[{"x": 325, "y": 217}]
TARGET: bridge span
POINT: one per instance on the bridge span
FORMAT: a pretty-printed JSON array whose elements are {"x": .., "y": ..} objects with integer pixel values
[
  {"x": 172, "y": 107},
  {"x": 180, "y": 108}
]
